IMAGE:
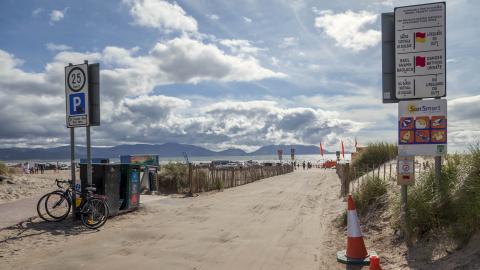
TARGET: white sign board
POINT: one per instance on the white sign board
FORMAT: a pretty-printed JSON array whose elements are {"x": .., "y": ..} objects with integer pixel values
[
  {"x": 76, "y": 93},
  {"x": 422, "y": 127},
  {"x": 420, "y": 51},
  {"x": 406, "y": 170}
]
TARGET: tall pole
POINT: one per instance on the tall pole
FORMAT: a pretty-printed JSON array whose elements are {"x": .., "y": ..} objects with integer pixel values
[
  {"x": 89, "y": 158},
  {"x": 72, "y": 168},
  {"x": 89, "y": 151},
  {"x": 438, "y": 169},
  {"x": 438, "y": 172}
]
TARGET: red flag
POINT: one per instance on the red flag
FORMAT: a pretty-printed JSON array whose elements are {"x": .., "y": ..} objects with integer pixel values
[
  {"x": 420, "y": 61},
  {"x": 321, "y": 149},
  {"x": 420, "y": 37},
  {"x": 343, "y": 151}
]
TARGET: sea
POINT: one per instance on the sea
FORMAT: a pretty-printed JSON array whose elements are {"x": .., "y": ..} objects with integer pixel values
[{"x": 205, "y": 159}]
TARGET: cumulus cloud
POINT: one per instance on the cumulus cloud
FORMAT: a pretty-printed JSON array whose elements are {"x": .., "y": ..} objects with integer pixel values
[
  {"x": 33, "y": 110},
  {"x": 161, "y": 14},
  {"x": 349, "y": 29},
  {"x": 57, "y": 47},
  {"x": 188, "y": 60},
  {"x": 263, "y": 122},
  {"x": 56, "y": 15},
  {"x": 240, "y": 46}
]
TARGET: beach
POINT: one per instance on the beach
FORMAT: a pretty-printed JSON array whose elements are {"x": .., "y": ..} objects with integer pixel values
[
  {"x": 282, "y": 222},
  {"x": 20, "y": 185}
]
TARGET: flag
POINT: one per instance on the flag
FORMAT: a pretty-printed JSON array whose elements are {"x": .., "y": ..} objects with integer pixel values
[
  {"x": 321, "y": 149},
  {"x": 419, "y": 61},
  {"x": 356, "y": 142},
  {"x": 343, "y": 151},
  {"x": 420, "y": 37}
]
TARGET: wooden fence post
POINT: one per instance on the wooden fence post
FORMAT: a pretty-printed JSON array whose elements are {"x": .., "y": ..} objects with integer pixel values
[{"x": 190, "y": 178}]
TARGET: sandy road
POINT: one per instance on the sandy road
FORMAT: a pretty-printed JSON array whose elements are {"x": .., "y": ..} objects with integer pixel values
[{"x": 282, "y": 222}]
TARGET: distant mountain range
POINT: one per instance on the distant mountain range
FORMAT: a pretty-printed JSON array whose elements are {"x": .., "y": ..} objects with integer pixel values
[{"x": 163, "y": 150}]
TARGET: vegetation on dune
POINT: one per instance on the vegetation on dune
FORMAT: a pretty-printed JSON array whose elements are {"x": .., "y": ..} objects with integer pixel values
[
  {"x": 454, "y": 206},
  {"x": 5, "y": 170},
  {"x": 370, "y": 192},
  {"x": 376, "y": 154},
  {"x": 174, "y": 176},
  {"x": 372, "y": 189}
]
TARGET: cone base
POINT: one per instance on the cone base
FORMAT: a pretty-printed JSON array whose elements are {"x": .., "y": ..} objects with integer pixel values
[{"x": 342, "y": 258}]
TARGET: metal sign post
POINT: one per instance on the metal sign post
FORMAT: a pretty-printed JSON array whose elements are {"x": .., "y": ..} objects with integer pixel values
[
  {"x": 414, "y": 68},
  {"x": 89, "y": 146},
  {"x": 82, "y": 95},
  {"x": 72, "y": 168}
]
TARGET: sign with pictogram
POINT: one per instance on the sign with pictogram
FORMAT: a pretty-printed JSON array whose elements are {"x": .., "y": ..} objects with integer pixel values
[
  {"x": 76, "y": 91},
  {"x": 422, "y": 127},
  {"x": 420, "y": 51},
  {"x": 406, "y": 170}
]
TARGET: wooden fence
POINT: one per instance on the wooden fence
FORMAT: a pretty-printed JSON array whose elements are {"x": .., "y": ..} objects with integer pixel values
[
  {"x": 201, "y": 178},
  {"x": 352, "y": 177}
]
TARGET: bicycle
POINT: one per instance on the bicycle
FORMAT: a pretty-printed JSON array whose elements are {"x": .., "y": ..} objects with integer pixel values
[
  {"x": 94, "y": 209},
  {"x": 55, "y": 206}
]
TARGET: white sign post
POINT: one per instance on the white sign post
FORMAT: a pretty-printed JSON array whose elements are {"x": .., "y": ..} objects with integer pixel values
[
  {"x": 420, "y": 51},
  {"x": 422, "y": 127},
  {"x": 76, "y": 92}
]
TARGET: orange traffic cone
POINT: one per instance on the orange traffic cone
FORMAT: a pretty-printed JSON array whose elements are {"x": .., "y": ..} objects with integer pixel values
[
  {"x": 374, "y": 263},
  {"x": 356, "y": 253}
]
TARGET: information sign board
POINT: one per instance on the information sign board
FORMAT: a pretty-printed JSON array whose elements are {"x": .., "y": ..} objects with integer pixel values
[
  {"x": 420, "y": 51},
  {"x": 422, "y": 127},
  {"x": 76, "y": 92},
  {"x": 406, "y": 170}
]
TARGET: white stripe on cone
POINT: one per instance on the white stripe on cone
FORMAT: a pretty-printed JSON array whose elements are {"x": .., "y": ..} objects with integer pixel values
[{"x": 353, "y": 224}]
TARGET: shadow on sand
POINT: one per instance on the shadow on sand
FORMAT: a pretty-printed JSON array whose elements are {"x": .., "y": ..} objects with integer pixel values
[{"x": 35, "y": 226}]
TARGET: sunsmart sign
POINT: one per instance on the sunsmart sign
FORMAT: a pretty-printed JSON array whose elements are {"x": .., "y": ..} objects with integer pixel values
[
  {"x": 420, "y": 51},
  {"x": 422, "y": 127},
  {"x": 76, "y": 91}
]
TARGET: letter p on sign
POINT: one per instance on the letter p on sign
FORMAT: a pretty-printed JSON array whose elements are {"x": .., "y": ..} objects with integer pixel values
[{"x": 77, "y": 104}]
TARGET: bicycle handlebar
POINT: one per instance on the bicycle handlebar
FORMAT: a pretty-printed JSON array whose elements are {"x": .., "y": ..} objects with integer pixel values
[{"x": 59, "y": 182}]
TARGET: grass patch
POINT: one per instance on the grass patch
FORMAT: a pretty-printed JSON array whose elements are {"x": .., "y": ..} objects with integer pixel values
[
  {"x": 370, "y": 191},
  {"x": 376, "y": 154},
  {"x": 174, "y": 177},
  {"x": 454, "y": 205},
  {"x": 5, "y": 170}
]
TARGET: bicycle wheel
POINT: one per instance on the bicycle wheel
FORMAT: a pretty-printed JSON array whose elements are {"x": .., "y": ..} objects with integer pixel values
[
  {"x": 57, "y": 206},
  {"x": 41, "y": 209},
  {"x": 94, "y": 213}
]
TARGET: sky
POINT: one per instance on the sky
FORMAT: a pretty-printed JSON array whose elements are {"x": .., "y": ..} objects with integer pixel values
[{"x": 219, "y": 74}]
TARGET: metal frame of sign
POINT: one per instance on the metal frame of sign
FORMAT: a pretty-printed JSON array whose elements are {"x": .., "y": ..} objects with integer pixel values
[{"x": 444, "y": 53}]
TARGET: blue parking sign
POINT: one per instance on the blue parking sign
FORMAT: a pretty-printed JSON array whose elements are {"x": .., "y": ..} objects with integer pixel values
[{"x": 77, "y": 104}]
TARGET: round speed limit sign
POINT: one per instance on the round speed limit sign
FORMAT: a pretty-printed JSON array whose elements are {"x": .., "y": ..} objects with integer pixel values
[{"x": 76, "y": 79}]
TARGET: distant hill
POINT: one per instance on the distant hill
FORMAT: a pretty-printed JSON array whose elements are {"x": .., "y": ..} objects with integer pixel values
[
  {"x": 163, "y": 150},
  {"x": 299, "y": 150}
]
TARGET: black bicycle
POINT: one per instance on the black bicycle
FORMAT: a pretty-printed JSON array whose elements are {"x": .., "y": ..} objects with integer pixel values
[{"x": 94, "y": 208}]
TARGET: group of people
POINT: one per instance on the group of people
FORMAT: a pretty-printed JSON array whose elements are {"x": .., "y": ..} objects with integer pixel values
[
  {"x": 307, "y": 165},
  {"x": 35, "y": 169}
]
